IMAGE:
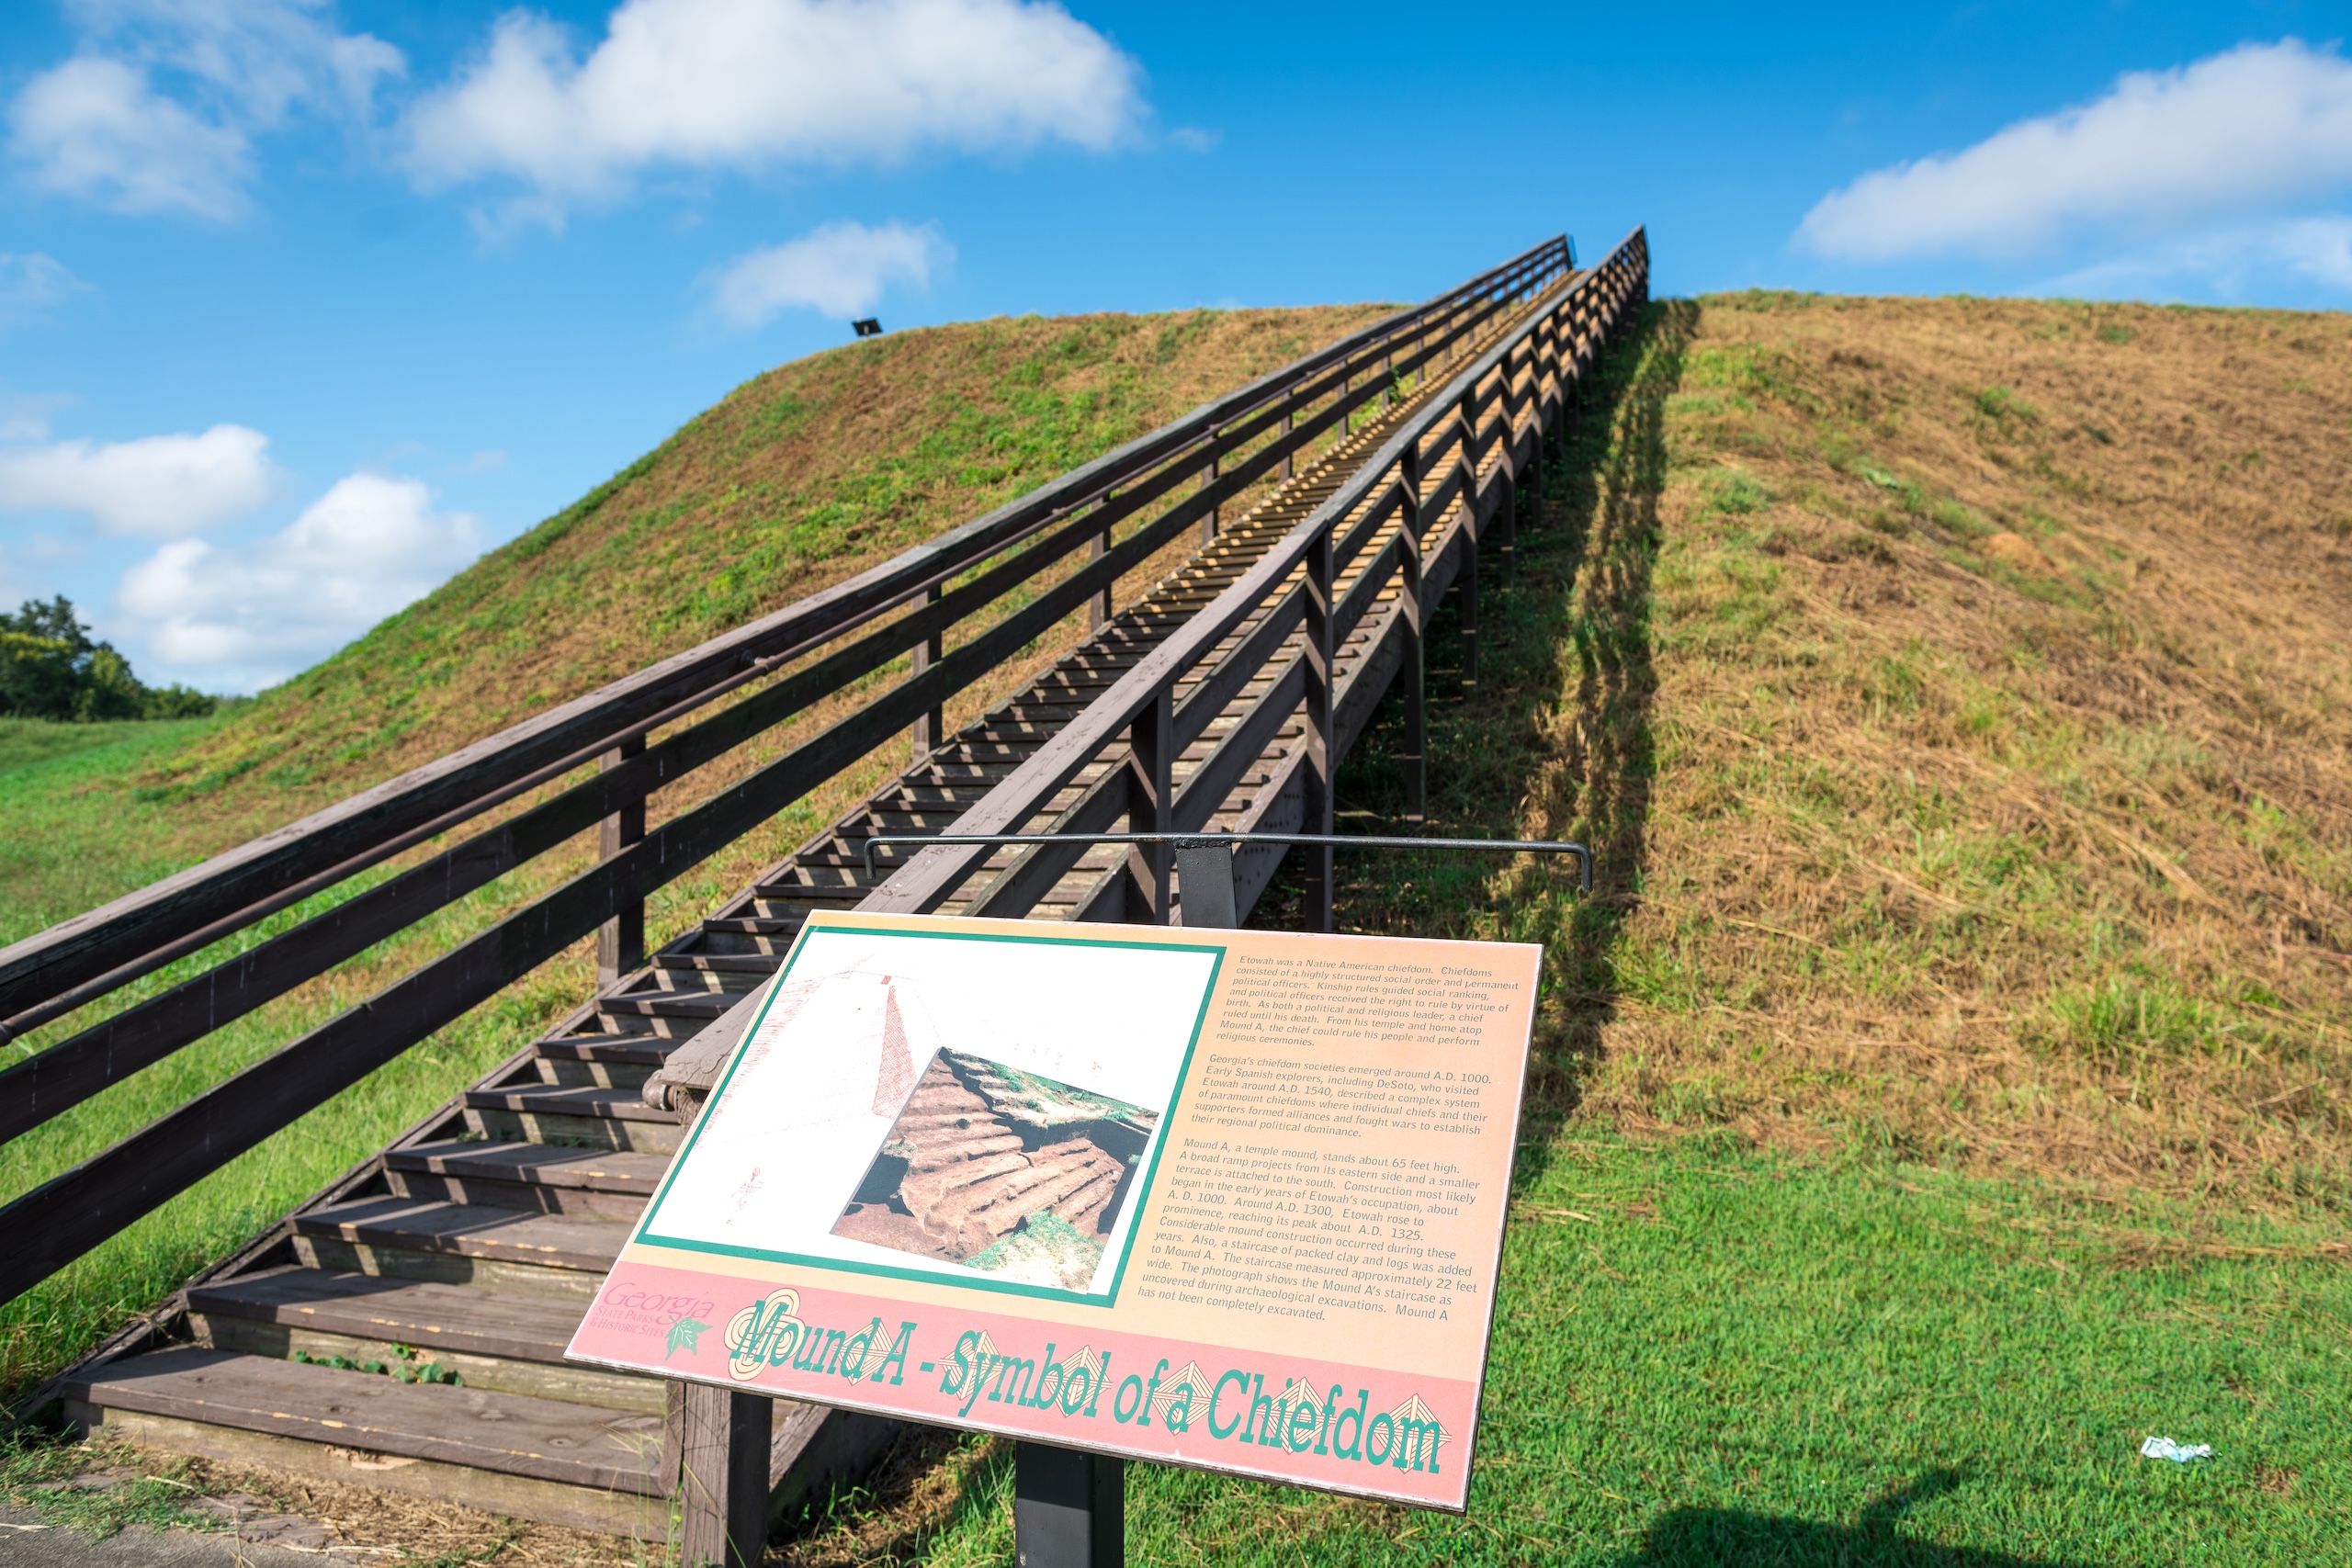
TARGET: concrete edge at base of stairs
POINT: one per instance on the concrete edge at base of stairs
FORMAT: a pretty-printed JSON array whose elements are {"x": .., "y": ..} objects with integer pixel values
[{"x": 27, "y": 1543}]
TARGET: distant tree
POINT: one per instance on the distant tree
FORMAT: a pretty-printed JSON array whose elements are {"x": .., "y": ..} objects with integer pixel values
[{"x": 50, "y": 669}]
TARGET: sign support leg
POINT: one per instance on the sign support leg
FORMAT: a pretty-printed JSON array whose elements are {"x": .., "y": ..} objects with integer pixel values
[
  {"x": 1070, "y": 1509},
  {"x": 723, "y": 1466}
]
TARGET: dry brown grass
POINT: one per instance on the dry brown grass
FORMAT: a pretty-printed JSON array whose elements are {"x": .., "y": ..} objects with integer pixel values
[{"x": 1966, "y": 690}]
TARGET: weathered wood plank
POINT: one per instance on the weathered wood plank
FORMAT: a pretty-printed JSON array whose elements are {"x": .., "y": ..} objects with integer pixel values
[
  {"x": 405, "y": 1312},
  {"x": 577, "y": 1508},
  {"x": 503, "y": 1433},
  {"x": 467, "y": 1230}
]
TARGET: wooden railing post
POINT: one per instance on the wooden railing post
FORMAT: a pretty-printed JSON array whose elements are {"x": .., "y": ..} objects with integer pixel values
[
  {"x": 1097, "y": 606},
  {"x": 620, "y": 941},
  {"x": 932, "y": 728},
  {"x": 1414, "y": 757},
  {"x": 722, "y": 1441},
  {"x": 1474, "y": 539},
  {"x": 1285, "y": 469},
  {"x": 1208, "y": 478},
  {"x": 1151, "y": 746},
  {"x": 1321, "y": 744},
  {"x": 1507, "y": 545}
]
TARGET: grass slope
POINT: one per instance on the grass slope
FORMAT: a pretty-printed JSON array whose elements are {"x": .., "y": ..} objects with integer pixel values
[{"x": 807, "y": 475}]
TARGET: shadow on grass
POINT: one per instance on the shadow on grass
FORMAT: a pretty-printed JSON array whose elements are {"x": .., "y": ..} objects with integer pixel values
[
  {"x": 1553, "y": 739},
  {"x": 932, "y": 1484},
  {"x": 1689, "y": 1538}
]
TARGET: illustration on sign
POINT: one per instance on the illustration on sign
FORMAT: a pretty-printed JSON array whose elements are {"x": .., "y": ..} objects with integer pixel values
[
  {"x": 849, "y": 1131},
  {"x": 1008, "y": 1172},
  {"x": 1104, "y": 1189}
]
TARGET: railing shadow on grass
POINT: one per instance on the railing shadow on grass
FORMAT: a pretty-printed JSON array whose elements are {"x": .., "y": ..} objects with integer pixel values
[
  {"x": 1552, "y": 740},
  {"x": 1704, "y": 1537}
]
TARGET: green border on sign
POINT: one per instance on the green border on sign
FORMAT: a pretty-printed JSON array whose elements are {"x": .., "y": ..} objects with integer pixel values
[{"x": 817, "y": 923}]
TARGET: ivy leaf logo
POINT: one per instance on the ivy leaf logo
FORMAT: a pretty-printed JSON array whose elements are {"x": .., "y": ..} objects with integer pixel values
[{"x": 684, "y": 1332}]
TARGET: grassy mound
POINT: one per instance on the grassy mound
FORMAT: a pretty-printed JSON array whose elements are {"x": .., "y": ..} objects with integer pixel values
[{"x": 807, "y": 475}]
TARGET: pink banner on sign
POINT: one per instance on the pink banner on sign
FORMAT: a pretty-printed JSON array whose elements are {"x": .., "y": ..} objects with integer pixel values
[{"x": 1315, "y": 1422}]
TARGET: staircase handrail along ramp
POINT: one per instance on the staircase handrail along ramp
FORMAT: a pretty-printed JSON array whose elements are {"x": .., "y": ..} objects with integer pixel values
[
  {"x": 1395, "y": 536},
  {"x": 1004, "y": 580}
]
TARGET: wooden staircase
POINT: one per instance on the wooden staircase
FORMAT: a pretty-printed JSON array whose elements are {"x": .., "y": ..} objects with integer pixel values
[{"x": 406, "y": 1329}]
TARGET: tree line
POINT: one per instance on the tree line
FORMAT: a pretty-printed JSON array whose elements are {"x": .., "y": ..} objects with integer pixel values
[{"x": 50, "y": 669}]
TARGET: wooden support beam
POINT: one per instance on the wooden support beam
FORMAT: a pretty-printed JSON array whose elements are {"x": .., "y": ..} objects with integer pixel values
[
  {"x": 723, "y": 1476},
  {"x": 1098, "y": 607},
  {"x": 932, "y": 728},
  {"x": 1321, "y": 756},
  {"x": 1413, "y": 756},
  {"x": 1466, "y": 585},
  {"x": 1151, "y": 742},
  {"x": 620, "y": 940}
]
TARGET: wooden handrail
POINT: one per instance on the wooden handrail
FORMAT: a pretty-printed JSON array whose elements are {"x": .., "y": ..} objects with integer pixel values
[{"x": 933, "y": 875}]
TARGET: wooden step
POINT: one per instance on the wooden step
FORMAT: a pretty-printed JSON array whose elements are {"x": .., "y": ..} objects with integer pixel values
[
  {"x": 602, "y": 1061},
  {"x": 740, "y": 967},
  {"x": 747, "y": 934},
  {"x": 640, "y": 1050},
  {"x": 587, "y": 1466},
  {"x": 527, "y": 1251},
  {"x": 669, "y": 1014},
  {"x": 584, "y": 1116},
  {"x": 609, "y": 1184},
  {"x": 831, "y": 893},
  {"x": 490, "y": 1339}
]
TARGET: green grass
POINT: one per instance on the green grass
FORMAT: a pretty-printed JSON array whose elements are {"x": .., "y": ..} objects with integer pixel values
[
  {"x": 1708, "y": 1354},
  {"x": 76, "y": 831},
  {"x": 73, "y": 830},
  {"x": 39, "y": 1476}
]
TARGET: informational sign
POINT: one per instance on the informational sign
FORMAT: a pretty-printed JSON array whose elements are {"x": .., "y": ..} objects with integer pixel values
[{"x": 1227, "y": 1199}]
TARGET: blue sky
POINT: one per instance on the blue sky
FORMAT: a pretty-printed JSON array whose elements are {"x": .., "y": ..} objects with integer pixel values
[{"x": 303, "y": 304}]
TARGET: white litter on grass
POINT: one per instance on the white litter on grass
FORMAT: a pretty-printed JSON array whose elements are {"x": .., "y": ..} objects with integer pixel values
[{"x": 2179, "y": 1453}]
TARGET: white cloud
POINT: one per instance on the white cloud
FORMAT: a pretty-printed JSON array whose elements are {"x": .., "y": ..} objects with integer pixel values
[
  {"x": 2235, "y": 262},
  {"x": 840, "y": 269},
  {"x": 158, "y": 486},
  {"x": 244, "y": 617},
  {"x": 32, "y": 285},
  {"x": 2237, "y": 132},
  {"x": 98, "y": 128},
  {"x": 710, "y": 84}
]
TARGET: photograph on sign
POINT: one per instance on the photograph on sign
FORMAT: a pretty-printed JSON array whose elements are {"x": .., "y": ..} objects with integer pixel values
[{"x": 1226, "y": 1199}]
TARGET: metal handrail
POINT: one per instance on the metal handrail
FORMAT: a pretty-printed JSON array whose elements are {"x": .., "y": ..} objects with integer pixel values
[{"x": 1242, "y": 841}]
